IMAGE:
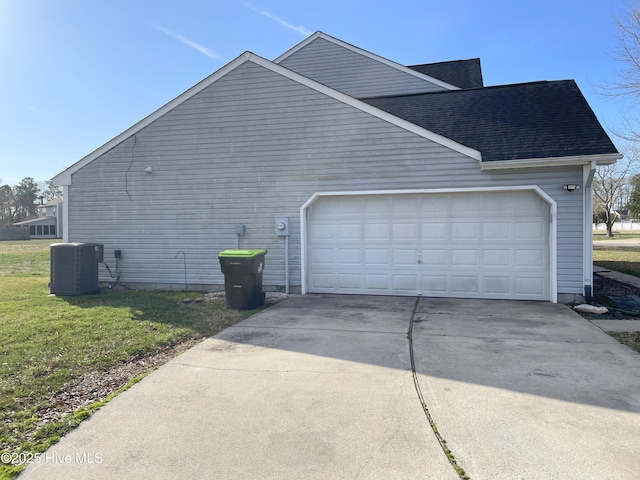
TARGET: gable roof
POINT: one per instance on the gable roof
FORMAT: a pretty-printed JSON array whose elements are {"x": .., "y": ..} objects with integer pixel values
[
  {"x": 64, "y": 177},
  {"x": 538, "y": 120},
  {"x": 461, "y": 73},
  {"x": 495, "y": 125},
  {"x": 365, "y": 53}
]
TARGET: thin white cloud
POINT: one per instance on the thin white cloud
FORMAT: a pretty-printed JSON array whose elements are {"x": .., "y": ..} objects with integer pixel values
[
  {"x": 190, "y": 43},
  {"x": 299, "y": 29}
]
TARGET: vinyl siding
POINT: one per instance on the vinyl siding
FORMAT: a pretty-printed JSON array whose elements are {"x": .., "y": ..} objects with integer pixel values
[
  {"x": 353, "y": 73},
  {"x": 255, "y": 145}
]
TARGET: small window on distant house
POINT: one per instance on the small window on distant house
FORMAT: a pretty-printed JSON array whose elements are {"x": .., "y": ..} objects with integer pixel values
[
  {"x": 32, "y": 229},
  {"x": 52, "y": 230},
  {"x": 45, "y": 229},
  {"x": 38, "y": 229}
]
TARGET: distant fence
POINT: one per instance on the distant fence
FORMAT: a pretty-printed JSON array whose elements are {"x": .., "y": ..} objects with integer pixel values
[
  {"x": 14, "y": 233},
  {"x": 625, "y": 225}
]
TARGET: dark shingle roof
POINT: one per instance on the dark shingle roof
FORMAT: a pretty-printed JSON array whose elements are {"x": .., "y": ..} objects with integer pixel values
[
  {"x": 508, "y": 122},
  {"x": 460, "y": 73}
]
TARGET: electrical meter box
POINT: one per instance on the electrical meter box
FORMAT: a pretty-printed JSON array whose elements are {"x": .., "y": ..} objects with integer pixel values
[{"x": 282, "y": 226}]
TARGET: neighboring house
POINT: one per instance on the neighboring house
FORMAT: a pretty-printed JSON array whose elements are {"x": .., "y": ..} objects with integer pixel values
[
  {"x": 48, "y": 223},
  {"x": 396, "y": 180}
]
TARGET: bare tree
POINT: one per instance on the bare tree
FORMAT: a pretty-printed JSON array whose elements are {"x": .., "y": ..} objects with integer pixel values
[
  {"x": 610, "y": 188},
  {"x": 48, "y": 191},
  {"x": 612, "y": 184},
  {"x": 625, "y": 85}
]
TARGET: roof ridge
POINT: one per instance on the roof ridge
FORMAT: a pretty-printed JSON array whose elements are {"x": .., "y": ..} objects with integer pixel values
[
  {"x": 444, "y": 61},
  {"x": 460, "y": 91}
]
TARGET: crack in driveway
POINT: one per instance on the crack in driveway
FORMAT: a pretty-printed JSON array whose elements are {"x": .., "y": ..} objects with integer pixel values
[{"x": 441, "y": 441}]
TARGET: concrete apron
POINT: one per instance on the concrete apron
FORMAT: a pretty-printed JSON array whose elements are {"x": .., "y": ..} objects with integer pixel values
[
  {"x": 528, "y": 390},
  {"x": 313, "y": 388},
  {"x": 321, "y": 387}
]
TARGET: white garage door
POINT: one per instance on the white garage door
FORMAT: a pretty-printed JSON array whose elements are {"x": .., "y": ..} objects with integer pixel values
[{"x": 469, "y": 245}]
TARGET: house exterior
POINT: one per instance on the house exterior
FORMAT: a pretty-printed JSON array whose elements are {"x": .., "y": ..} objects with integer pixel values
[
  {"x": 395, "y": 180},
  {"x": 48, "y": 223}
]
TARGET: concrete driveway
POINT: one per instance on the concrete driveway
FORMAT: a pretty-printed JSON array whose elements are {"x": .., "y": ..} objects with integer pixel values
[{"x": 322, "y": 387}]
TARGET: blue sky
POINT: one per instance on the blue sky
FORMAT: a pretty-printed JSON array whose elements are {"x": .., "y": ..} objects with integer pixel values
[{"x": 76, "y": 73}]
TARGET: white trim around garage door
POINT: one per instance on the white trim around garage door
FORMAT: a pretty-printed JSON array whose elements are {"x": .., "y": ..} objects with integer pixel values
[{"x": 553, "y": 259}]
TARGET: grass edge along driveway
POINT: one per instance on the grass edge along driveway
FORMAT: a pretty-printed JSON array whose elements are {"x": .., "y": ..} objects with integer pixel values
[{"x": 56, "y": 349}]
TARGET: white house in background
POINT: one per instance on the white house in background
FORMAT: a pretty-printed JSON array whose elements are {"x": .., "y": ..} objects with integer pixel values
[
  {"x": 396, "y": 180},
  {"x": 49, "y": 222}
]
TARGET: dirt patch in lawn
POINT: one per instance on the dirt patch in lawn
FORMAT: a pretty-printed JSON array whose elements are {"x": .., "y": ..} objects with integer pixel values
[
  {"x": 97, "y": 385},
  {"x": 630, "y": 339}
]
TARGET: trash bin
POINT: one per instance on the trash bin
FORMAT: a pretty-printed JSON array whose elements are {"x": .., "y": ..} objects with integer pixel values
[{"x": 242, "y": 271}]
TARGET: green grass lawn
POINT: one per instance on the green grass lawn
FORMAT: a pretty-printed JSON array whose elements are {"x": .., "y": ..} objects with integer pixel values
[
  {"x": 620, "y": 260},
  {"x": 48, "y": 342}
]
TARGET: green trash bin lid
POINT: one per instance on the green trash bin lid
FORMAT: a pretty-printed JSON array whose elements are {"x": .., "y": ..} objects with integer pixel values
[{"x": 241, "y": 253}]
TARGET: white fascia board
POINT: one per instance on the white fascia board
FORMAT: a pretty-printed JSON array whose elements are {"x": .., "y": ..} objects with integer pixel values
[
  {"x": 607, "y": 159},
  {"x": 64, "y": 178},
  {"x": 365, "y": 107},
  {"x": 299, "y": 46},
  {"x": 367, "y": 54}
]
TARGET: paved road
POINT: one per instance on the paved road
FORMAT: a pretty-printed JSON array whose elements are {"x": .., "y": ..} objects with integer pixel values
[{"x": 620, "y": 243}]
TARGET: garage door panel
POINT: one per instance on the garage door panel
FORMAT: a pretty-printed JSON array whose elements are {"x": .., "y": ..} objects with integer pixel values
[
  {"x": 497, "y": 258},
  {"x": 434, "y": 231},
  {"x": 350, "y": 256},
  {"x": 376, "y": 257},
  {"x": 377, "y": 207},
  {"x": 435, "y": 208},
  {"x": 529, "y": 286},
  {"x": 350, "y": 231},
  {"x": 479, "y": 245},
  {"x": 464, "y": 230},
  {"x": 524, "y": 205},
  {"x": 405, "y": 284},
  {"x": 405, "y": 231},
  {"x": 494, "y": 205},
  {"x": 322, "y": 281},
  {"x": 530, "y": 230},
  {"x": 405, "y": 257},
  {"x": 406, "y": 206},
  {"x": 434, "y": 257},
  {"x": 530, "y": 258},
  {"x": 377, "y": 231},
  {"x": 322, "y": 231},
  {"x": 494, "y": 285},
  {"x": 377, "y": 283},
  {"x": 464, "y": 258},
  {"x": 464, "y": 284},
  {"x": 435, "y": 285},
  {"x": 323, "y": 256},
  {"x": 469, "y": 205},
  {"x": 500, "y": 231},
  {"x": 349, "y": 281}
]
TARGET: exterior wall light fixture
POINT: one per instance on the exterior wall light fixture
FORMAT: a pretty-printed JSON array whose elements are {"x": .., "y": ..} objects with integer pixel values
[{"x": 570, "y": 187}]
